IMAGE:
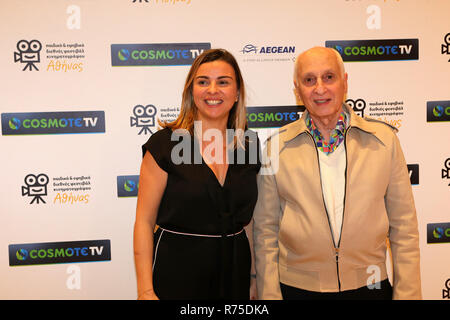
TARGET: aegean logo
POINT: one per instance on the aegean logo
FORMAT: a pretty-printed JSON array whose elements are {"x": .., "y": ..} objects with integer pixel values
[
  {"x": 250, "y": 48},
  {"x": 268, "y": 53}
]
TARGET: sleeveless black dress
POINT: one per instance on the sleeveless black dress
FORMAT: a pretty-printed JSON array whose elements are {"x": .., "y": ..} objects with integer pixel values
[{"x": 189, "y": 264}]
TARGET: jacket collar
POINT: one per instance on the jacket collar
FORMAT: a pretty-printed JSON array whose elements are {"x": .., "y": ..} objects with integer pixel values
[{"x": 298, "y": 127}]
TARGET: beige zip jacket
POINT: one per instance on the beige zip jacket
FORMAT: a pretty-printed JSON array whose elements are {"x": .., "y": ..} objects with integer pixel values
[{"x": 292, "y": 236}]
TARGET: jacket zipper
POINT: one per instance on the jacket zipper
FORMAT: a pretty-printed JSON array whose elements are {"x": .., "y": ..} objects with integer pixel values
[
  {"x": 343, "y": 208},
  {"x": 345, "y": 186},
  {"x": 336, "y": 247},
  {"x": 336, "y": 250}
]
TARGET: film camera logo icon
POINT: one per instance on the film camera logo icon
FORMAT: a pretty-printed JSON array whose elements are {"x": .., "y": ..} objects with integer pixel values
[
  {"x": 446, "y": 290},
  {"x": 36, "y": 187},
  {"x": 446, "y": 171},
  {"x": 144, "y": 118},
  {"x": 445, "y": 48},
  {"x": 357, "y": 105},
  {"x": 29, "y": 53}
]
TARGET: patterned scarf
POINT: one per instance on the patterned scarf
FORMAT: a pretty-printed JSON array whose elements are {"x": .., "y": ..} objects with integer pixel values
[{"x": 336, "y": 137}]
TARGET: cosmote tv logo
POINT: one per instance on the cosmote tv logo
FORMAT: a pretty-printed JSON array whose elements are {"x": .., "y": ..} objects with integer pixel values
[
  {"x": 273, "y": 116},
  {"x": 127, "y": 186},
  {"x": 53, "y": 122},
  {"x": 157, "y": 54},
  {"x": 376, "y": 50},
  {"x": 438, "y": 111},
  {"x": 59, "y": 252},
  {"x": 438, "y": 232}
]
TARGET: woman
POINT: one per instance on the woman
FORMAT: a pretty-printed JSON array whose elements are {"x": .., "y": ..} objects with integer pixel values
[{"x": 201, "y": 197}]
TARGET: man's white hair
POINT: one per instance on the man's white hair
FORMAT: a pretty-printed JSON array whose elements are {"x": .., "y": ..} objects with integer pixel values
[{"x": 336, "y": 53}]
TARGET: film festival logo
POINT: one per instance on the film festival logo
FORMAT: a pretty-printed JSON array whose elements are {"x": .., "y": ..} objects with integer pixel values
[
  {"x": 386, "y": 111},
  {"x": 63, "y": 57},
  {"x": 68, "y": 190},
  {"x": 446, "y": 171},
  {"x": 35, "y": 187},
  {"x": 29, "y": 54},
  {"x": 445, "y": 48},
  {"x": 143, "y": 118}
]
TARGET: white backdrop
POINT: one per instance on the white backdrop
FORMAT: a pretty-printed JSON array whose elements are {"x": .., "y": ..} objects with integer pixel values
[{"x": 105, "y": 164}]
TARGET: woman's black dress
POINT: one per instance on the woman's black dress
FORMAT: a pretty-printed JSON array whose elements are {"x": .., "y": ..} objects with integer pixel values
[{"x": 197, "y": 266}]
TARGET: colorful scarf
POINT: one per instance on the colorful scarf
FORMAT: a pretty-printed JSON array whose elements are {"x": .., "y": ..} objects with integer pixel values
[{"x": 336, "y": 137}]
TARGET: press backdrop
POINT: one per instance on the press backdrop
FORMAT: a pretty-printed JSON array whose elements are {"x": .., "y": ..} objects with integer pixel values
[{"x": 83, "y": 83}]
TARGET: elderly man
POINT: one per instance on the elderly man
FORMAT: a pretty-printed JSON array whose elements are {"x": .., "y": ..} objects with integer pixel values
[{"x": 339, "y": 190}]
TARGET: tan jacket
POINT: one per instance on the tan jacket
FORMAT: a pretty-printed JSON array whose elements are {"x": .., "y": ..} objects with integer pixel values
[{"x": 292, "y": 235}]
